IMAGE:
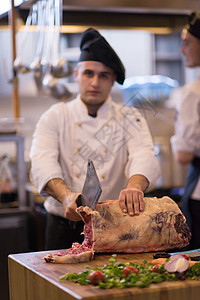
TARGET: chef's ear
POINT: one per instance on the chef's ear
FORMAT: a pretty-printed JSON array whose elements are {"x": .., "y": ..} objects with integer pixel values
[
  {"x": 76, "y": 74},
  {"x": 114, "y": 78}
]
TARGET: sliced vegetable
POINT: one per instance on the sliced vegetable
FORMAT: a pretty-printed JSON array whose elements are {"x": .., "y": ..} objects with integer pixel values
[
  {"x": 186, "y": 256},
  {"x": 130, "y": 269},
  {"x": 177, "y": 263},
  {"x": 192, "y": 262},
  {"x": 95, "y": 277},
  {"x": 158, "y": 261},
  {"x": 176, "y": 256},
  {"x": 112, "y": 274},
  {"x": 155, "y": 268},
  {"x": 164, "y": 260}
]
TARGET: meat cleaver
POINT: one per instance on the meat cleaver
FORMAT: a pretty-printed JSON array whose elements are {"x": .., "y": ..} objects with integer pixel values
[{"x": 91, "y": 188}]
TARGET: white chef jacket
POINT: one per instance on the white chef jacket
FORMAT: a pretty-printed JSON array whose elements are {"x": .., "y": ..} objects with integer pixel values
[
  {"x": 118, "y": 141},
  {"x": 187, "y": 123}
]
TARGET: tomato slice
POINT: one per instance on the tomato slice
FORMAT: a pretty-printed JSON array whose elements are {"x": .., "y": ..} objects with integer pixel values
[
  {"x": 127, "y": 270},
  {"x": 155, "y": 268},
  {"x": 95, "y": 277},
  {"x": 185, "y": 256}
]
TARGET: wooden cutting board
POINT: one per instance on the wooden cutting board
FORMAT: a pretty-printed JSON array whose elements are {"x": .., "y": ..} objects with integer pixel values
[{"x": 30, "y": 278}]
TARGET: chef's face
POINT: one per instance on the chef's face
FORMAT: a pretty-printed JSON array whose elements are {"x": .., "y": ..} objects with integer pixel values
[
  {"x": 95, "y": 81},
  {"x": 190, "y": 49}
]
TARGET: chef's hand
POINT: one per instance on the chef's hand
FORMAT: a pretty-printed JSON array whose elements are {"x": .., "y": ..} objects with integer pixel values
[
  {"x": 57, "y": 189},
  {"x": 70, "y": 205},
  {"x": 131, "y": 199}
]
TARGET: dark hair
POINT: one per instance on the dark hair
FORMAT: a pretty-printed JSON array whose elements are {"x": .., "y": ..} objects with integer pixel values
[{"x": 193, "y": 25}]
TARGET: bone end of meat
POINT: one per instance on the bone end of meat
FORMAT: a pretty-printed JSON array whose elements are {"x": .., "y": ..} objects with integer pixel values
[
  {"x": 70, "y": 259},
  {"x": 76, "y": 254},
  {"x": 48, "y": 258}
]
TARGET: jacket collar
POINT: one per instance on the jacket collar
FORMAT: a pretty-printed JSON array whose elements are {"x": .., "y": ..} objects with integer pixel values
[{"x": 103, "y": 111}]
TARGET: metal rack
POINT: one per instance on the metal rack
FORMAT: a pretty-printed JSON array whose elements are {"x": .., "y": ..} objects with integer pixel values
[
  {"x": 21, "y": 167},
  {"x": 15, "y": 220}
]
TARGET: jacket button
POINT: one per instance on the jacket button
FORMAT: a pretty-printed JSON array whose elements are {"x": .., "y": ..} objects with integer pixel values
[
  {"x": 77, "y": 175},
  {"x": 105, "y": 150},
  {"x": 79, "y": 124},
  {"x": 78, "y": 149},
  {"x": 102, "y": 176}
]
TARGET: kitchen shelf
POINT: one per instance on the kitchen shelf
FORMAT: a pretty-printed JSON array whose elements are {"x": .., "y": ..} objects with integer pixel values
[
  {"x": 21, "y": 167},
  {"x": 118, "y": 14},
  {"x": 166, "y": 57}
]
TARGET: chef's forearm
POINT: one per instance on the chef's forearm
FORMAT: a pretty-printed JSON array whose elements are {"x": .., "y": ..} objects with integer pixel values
[
  {"x": 138, "y": 181},
  {"x": 57, "y": 189}
]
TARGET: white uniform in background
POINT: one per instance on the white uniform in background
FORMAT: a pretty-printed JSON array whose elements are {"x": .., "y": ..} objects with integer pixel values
[
  {"x": 117, "y": 140},
  {"x": 187, "y": 123}
]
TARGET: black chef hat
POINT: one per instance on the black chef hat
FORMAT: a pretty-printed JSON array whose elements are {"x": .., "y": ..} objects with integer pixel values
[
  {"x": 94, "y": 47},
  {"x": 193, "y": 25}
]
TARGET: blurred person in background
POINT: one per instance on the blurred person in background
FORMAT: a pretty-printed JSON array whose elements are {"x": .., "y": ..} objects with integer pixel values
[{"x": 186, "y": 140}]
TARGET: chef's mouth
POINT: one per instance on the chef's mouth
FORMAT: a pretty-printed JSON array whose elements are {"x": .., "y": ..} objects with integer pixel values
[{"x": 94, "y": 92}]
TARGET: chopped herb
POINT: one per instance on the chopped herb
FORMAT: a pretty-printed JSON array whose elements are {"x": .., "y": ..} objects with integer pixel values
[{"x": 115, "y": 277}]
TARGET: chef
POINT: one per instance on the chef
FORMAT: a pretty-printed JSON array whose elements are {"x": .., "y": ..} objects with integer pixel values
[
  {"x": 186, "y": 141},
  {"x": 116, "y": 138}
]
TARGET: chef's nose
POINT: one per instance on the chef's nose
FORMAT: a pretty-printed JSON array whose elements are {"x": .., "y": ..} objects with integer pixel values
[{"x": 95, "y": 80}]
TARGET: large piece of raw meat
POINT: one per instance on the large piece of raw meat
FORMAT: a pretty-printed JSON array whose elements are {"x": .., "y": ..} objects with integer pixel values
[{"x": 161, "y": 226}]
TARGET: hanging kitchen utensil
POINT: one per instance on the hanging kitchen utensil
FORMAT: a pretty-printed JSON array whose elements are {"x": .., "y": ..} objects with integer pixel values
[
  {"x": 60, "y": 68},
  {"x": 50, "y": 83},
  {"x": 19, "y": 66},
  {"x": 48, "y": 43},
  {"x": 48, "y": 37},
  {"x": 36, "y": 65},
  {"x": 55, "y": 89}
]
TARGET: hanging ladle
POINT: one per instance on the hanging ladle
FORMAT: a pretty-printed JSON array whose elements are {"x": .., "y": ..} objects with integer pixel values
[
  {"x": 36, "y": 65},
  {"x": 60, "y": 68},
  {"x": 18, "y": 64},
  {"x": 48, "y": 43},
  {"x": 55, "y": 89},
  {"x": 50, "y": 83}
]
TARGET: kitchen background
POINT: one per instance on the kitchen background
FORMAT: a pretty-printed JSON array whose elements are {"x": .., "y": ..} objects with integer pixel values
[
  {"x": 154, "y": 69},
  {"x": 143, "y": 53}
]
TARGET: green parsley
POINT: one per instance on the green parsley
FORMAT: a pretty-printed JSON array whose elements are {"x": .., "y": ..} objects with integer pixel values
[{"x": 114, "y": 276}]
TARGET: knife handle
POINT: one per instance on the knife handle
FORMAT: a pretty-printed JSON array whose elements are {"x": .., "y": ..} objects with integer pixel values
[{"x": 79, "y": 201}]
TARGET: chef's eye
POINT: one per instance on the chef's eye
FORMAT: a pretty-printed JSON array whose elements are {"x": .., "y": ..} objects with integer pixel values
[
  {"x": 104, "y": 75},
  {"x": 88, "y": 73}
]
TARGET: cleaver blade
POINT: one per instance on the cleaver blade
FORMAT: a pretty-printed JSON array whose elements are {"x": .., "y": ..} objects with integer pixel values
[{"x": 91, "y": 189}]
